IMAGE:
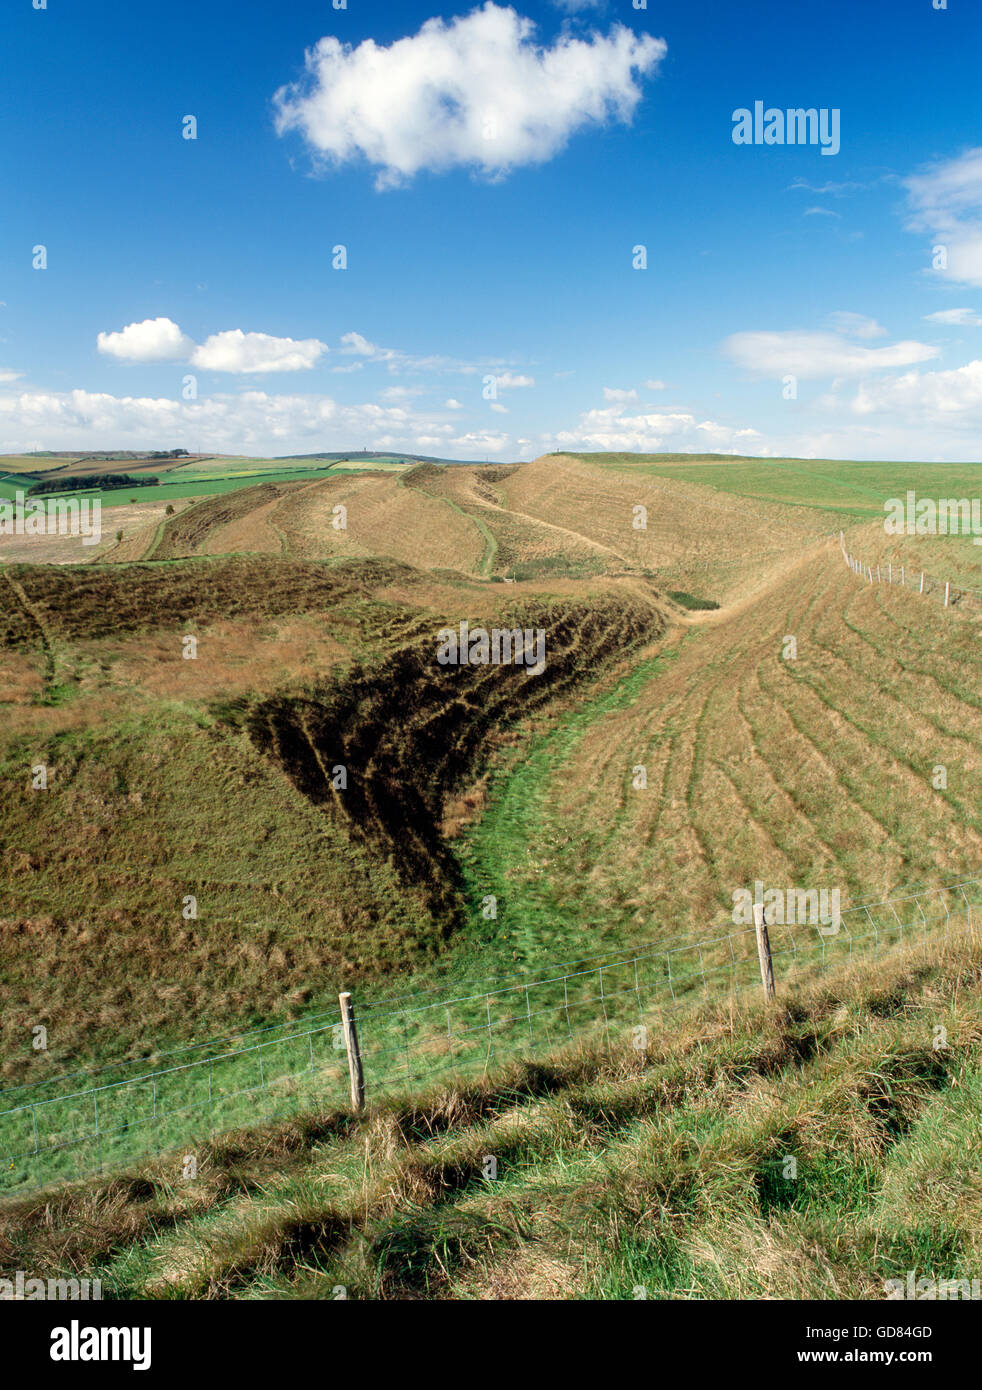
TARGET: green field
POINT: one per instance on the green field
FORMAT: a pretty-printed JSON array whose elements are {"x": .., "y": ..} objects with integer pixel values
[
  {"x": 853, "y": 487},
  {"x": 204, "y": 484}
]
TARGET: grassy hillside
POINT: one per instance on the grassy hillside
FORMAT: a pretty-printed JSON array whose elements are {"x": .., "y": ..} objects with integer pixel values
[
  {"x": 814, "y": 770},
  {"x": 777, "y": 719},
  {"x": 169, "y": 777},
  {"x": 557, "y": 517},
  {"x": 853, "y": 488},
  {"x": 814, "y": 1149}
]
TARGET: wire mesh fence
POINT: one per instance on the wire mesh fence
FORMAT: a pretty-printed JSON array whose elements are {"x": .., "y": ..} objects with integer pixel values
[
  {"x": 59, "y": 1130},
  {"x": 944, "y": 591}
]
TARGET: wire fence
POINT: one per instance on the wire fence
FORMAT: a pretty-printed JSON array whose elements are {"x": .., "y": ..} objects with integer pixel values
[
  {"x": 943, "y": 590},
  {"x": 59, "y": 1130}
]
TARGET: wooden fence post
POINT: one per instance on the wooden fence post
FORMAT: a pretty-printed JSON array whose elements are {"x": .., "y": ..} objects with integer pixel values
[
  {"x": 764, "y": 951},
  {"x": 354, "y": 1055},
  {"x": 947, "y": 591},
  {"x": 922, "y": 581}
]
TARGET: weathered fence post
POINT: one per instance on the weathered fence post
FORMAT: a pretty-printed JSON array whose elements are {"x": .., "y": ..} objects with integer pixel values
[
  {"x": 764, "y": 951},
  {"x": 922, "y": 581},
  {"x": 947, "y": 591},
  {"x": 354, "y": 1055}
]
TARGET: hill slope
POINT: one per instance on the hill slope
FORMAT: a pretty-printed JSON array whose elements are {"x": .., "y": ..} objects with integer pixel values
[
  {"x": 812, "y": 1150},
  {"x": 813, "y": 730}
]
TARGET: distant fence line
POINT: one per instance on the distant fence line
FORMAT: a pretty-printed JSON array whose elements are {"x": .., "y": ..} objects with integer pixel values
[
  {"x": 58, "y": 1132},
  {"x": 947, "y": 592}
]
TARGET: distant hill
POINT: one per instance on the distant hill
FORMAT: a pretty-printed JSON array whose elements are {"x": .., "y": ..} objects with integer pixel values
[{"x": 370, "y": 454}]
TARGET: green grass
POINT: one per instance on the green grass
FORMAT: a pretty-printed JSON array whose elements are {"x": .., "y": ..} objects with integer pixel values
[
  {"x": 488, "y": 556},
  {"x": 555, "y": 566},
  {"x": 537, "y": 922},
  {"x": 621, "y": 1173},
  {"x": 691, "y": 602},
  {"x": 855, "y": 488},
  {"x": 206, "y": 483},
  {"x": 662, "y": 1172}
]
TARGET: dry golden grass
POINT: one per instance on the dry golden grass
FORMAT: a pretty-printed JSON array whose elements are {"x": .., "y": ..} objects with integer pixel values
[
  {"x": 554, "y": 516},
  {"x": 255, "y": 532},
  {"x": 696, "y": 538},
  {"x": 815, "y": 770},
  {"x": 383, "y": 518}
]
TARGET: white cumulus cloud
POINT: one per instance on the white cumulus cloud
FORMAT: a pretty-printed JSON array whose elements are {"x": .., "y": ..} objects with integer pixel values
[
  {"x": 476, "y": 443},
  {"x": 152, "y": 340},
  {"x": 613, "y": 429},
  {"x": 359, "y": 345},
  {"x": 475, "y": 91},
  {"x": 949, "y": 396},
  {"x": 250, "y": 422},
  {"x": 235, "y": 351}
]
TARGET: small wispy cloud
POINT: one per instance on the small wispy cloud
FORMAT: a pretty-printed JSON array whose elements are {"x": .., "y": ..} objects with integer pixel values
[
  {"x": 945, "y": 200},
  {"x": 955, "y": 318},
  {"x": 809, "y": 355},
  {"x": 830, "y": 189},
  {"x": 856, "y": 325}
]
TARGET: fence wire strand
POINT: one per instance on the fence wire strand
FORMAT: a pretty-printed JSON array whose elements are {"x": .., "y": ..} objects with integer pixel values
[{"x": 53, "y": 1135}]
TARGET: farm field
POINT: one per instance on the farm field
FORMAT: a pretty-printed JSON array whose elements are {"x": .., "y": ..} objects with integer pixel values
[{"x": 668, "y": 656}]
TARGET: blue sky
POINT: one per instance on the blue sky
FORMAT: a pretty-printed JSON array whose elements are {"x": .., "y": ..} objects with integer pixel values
[{"x": 489, "y": 171}]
